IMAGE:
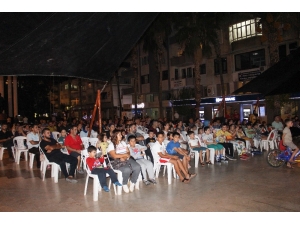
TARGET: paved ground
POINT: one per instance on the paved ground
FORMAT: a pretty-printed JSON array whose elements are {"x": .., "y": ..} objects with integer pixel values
[{"x": 241, "y": 186}]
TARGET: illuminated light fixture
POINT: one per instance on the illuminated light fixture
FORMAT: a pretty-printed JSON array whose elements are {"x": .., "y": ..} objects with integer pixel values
[
  {"x": 139, "y": 106},
  {"x": 228, "y": 99}
]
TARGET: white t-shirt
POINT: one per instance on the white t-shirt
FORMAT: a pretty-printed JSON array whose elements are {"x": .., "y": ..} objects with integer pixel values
[
  {"x": 120, "y": 148},
  {"x": 208, "y": 137},
  {"x": 194, "y": 142},
  {"x": 32, "y": 137},
  {"x": 156, "y": 148},
  {"x": 135, "y": 152}
]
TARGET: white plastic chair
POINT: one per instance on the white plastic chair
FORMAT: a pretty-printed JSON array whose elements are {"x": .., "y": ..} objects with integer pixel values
[
  {"x": 96, "y": 183},
  {"x": 20, "y": 147},
  {"x": 85, "y": 142},
  {"x": 56, "y": 135},
  {"x": 31, "y": 159},
  {"x": 93, "y": 141},
  {"x": 55, "y": 168},
  {"x": 1, "y": 152},
  {"x": 270, "y": 142}
]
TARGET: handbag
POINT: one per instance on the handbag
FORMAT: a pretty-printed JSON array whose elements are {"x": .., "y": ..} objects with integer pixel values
[{"x": 117, "y": 164}]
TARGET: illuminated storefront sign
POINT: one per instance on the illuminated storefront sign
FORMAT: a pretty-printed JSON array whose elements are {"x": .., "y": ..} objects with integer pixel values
[
  {"x": 139, "y": 106},
  {"x": 228, "y": 99}
]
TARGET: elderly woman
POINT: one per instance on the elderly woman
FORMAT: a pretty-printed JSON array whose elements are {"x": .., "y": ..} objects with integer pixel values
[{"x": 119, "y": 151}]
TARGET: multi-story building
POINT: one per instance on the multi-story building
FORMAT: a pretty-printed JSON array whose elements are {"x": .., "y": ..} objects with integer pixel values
[{"x": 244, "y": 57}]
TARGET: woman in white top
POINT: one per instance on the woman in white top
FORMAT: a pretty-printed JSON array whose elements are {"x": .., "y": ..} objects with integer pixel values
[{"x": 118, "y": 150}]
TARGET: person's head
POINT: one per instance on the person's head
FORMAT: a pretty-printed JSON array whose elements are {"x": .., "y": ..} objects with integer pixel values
[
  {"x": 288, "y": 122},
  {"x": 116, "y": 137},
  {"x": 151, "y": 134},
  {"x": 46, "y": 133},
  {"x": 102, "y": 137},
  {"x": 232, "y": 127},
  {"x": 20, "y": 129},
  {"x": 176, "y": 137},
  {"x": 79, "y": 127},
  {"x": 207, "y": 130},
  {"x": 160, "y": 137},
  {"x": 166, "y": 126},
  {"x": 63, "y": 132},
  {"x": 224, "y": 127},
  {"x": 277, "y": 118},
  {"x": 200, "y": 130},
  {"x": 137, "y": 121},
  {"x": 64, "y": 123},
  {"x": 131, "y": 140},
  {"x": 132, "y": 128},
  {"x": 4, "y": 127},
  {"x": 73, "y": 130},
  {"x": 191, "y": 120},
  {"x": 249, "y": 126},
  {"x": 170, "y": 135},
  {"x": 230, "y": 122},
  {"x": 191, "y": 135},
  {"x": 154, "y": 124},
  {"x": 111, "y": 127},
  {"x": 179, "y": 124},
  {"x": 92, "y": 151},
  {"x": 50, "y": 124}
]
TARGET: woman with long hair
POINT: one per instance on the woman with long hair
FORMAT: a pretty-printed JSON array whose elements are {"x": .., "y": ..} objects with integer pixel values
[{"x": 119, "y": 151}]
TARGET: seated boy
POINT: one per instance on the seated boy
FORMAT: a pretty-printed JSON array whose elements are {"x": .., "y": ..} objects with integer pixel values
[
  {"x": 169, "y": 138},
  {"x": 138, "y": 155},
  {"x": 96, "y": 167},
  {"x": 159, "y": 154},
  {"x": 194, "y": 144},
  {"x": 173, "y": 148},
  {"x": 288, "y": 141},
  {"x": 208, "y": 139},
  {"x": 152, "y": 140}
]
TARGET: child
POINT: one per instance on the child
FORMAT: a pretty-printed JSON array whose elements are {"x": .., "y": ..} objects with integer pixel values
[
  {"x": 173, "y": 148},
  {"x": 61, "y": 139},
  {"x": 96, "y": 167},
  {"x": 102, "y": 143},
  {"x": 169, "y": 138},
  {"x": 138, "y": 155},
  {"x": 209, "y": 141},
  {"x": 194, "y": 144},
  {"x": 152, "y": 140},
  {"x": 288, "y": 141}
]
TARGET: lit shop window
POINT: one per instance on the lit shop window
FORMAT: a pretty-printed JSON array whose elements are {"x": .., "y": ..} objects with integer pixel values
[{"x": 243, "y": 30}]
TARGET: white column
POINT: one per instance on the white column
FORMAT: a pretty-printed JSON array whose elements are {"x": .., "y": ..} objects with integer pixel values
[
  {"x": 9, "y": 97},
  {"x": 15, "y": 91},
  {"x": 2, "y": 86}
]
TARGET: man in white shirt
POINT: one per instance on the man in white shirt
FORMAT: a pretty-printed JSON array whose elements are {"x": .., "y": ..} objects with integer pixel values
[
  {"x": 277, "y": 124},
  {"x": 160, "y": 155},
  {"x": 33, "y": 140}
]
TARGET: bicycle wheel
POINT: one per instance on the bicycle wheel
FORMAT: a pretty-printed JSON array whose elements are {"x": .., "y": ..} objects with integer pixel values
[{"x": 273, "y": 158}]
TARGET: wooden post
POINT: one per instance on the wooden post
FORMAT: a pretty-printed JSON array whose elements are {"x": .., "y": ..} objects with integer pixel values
[
  {"x": 94, "y": 113},
  {"x": 100, "y": 114}
]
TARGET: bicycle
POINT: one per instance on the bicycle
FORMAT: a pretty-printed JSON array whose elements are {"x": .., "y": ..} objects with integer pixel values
[{"x": 277, "y": 158}]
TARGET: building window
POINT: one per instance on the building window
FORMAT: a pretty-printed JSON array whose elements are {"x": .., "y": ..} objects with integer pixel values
[
  {"x": 282, "y": 51},
  {"x": 243, "y": 30},
  {"x": 165, "y": 75},
  {"x": 66, "y": 86},
  {"x": 149, "y": 98},
  {"x": 145, "y": 79},
  {"x": 293, "y": 46},
  {"x": 176, "y": 74},
  {"x": 203, "y": 69},
  {"x": 189, "y": 72},
  {"x": 183, "y": 73},
  {"x": 224, "y": 66},
  {"x": 144, "y": 60},
  {"x": 250, "y": 60},
  {"x": 104, "y": 95}
]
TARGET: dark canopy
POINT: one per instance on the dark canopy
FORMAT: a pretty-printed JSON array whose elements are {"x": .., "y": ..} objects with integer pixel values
[
  {"x": 282, "y": 78},
  {"x": 86, "y": 45}
]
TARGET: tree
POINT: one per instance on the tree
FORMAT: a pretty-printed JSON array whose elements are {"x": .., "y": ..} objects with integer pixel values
[
  {"x": 197, "y": 33},
  {"x": 155, "y": 42}
]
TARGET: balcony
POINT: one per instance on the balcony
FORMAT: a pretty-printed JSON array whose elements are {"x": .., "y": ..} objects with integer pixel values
[{"x": 183, "y": 60}]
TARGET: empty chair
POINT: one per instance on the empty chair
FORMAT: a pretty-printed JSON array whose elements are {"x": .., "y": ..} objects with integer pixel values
[{"x": 19, "y": 146}]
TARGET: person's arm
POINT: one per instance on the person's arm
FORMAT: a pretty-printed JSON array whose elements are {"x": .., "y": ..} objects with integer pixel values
[
  {"x": 50, "y": 148},
  {"x": 167, "y": 156},
  {"x": 114, "y": 155}
]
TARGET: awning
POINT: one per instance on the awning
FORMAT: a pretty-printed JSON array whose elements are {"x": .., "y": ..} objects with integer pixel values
[
  {"x": 282, "y": 78},
  {"x": 85, "y": 45}
]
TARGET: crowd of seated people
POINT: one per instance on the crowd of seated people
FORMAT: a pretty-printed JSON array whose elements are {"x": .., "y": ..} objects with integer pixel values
[{"x": 134, "y": 146}]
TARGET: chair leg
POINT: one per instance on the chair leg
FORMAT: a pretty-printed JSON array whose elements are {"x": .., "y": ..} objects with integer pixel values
[
  {"x": 120, "y": 179},
  {"x": 196, "y": 158},
  {"x": 18, "y": 155},
  {"x": 212, "y": 155},
  {"x": 31, "y": 159},
  {"x": 86, "y": 184},
  {"x": 169, "y": 168},
  {"x": 1, "y": 153},
  {"x": 157, "y": 170},
  {"x": 26, "y": 156},
  {"x": 95, "y": 189},
  {"x": 55, "y": 175},
  {"x": 164, "y": 171}
]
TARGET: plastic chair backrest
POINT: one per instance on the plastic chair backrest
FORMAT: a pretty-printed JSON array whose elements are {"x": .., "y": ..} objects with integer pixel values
[
  {"x": 93, "y": 141},
  {"x": 56, "y": 135},
  {"x": 85, "y": 141},
  {"x": 19, "y": 142},
  {"x": 271, "y": 135}
]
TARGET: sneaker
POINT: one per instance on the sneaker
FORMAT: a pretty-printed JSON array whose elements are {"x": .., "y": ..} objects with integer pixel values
[
  {"x": 105, "y": 188},
  {"x": 146, "y": 182},
  {"x": 125, "y": 188},
  {"x": 131, "y": 186},
  {"x": 71, "y": 180},
  {"x": 153, "y": 181},
  {"x": 117, "y": 184},
  {"x": 229, "y": 157},
  {"x": 218, "y": 160},
  {"x": 80, "y": 171}
]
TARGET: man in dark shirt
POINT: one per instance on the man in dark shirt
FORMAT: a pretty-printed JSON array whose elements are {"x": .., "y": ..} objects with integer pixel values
[
  {"x": 6, "y": 139},
  {"x": 51, "y": 149},
  {"x": 149, "y": 140}
]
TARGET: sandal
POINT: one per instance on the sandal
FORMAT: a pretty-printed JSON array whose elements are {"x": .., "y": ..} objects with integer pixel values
[
  {"x": 209, "y": 162},
  {"x": 192, "y": 175},
  {"x": 289, "y": 165},
  {"x": 202, "y": 164},
  {"x": 185, "y": 180}
]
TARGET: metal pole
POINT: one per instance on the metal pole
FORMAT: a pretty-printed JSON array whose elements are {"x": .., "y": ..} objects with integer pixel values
[
  {"x": 94, "y": 114},
  {"x": 100, "y": 115}
]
